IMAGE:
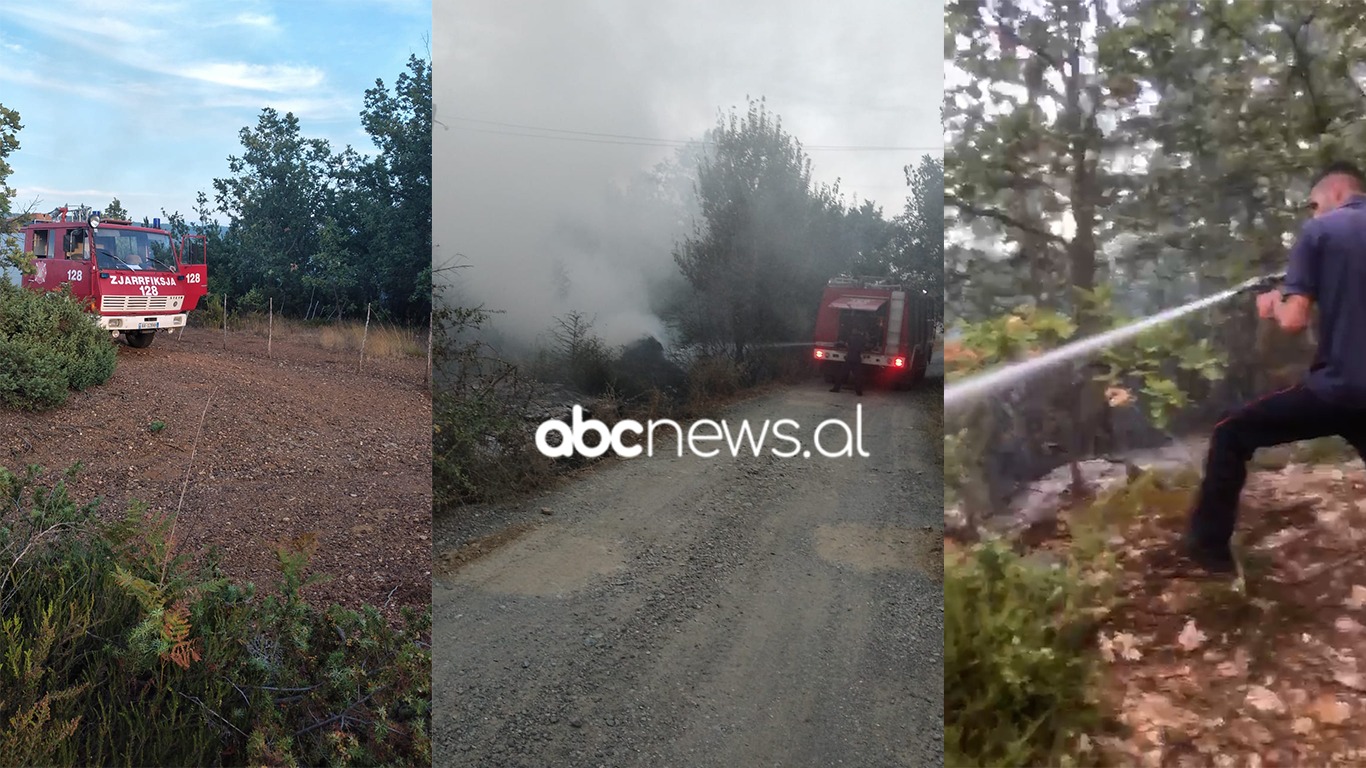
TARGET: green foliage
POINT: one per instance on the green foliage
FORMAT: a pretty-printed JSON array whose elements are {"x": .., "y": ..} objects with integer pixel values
[
  {"x": 11, "y": 252},
  {"x": 918, "y": 250},
  {"x": 334, "y": 271},
  {"x": 209, "y": 312},
  {"x": 118, "y": 648},
  {"x": 398, "y": 190},
  {"x": 1028, "y": 331},
  {"x": 1159, "y": 359},
  {"x": 49, "y": 345},
  {"x": 9, "y": 144},
  {"x": 322, "y": 232},
  {"x": 115, "y": 210},
  {"x": 1018, "y": 660},
  {"x": 156, "y": 426}
]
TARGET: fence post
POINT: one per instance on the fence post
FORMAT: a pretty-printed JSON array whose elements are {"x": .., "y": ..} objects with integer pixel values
[
  {"x": 270, "y": 326},
  {"x": 225, "y": 321},
  {"x": 431, "y": 325},
  {"x": 363, "y": 337}
]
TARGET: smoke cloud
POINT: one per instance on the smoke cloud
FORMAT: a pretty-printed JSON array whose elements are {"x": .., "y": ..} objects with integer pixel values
[{"x": 551, "y": 222}]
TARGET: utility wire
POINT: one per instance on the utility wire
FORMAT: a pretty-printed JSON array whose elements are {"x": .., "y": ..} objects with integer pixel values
[{"x": 564, "y": 134}]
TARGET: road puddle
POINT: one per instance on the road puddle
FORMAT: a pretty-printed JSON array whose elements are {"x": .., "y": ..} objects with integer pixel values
[{"x": 882, "y": 547}]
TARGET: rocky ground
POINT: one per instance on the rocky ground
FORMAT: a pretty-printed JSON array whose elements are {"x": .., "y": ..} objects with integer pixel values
[
  {"x": 254, "y": 450},
  {"x": 673, "y": 611}
]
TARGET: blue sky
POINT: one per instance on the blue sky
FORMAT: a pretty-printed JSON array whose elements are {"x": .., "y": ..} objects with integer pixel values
[{"x": 143, "y": 100}]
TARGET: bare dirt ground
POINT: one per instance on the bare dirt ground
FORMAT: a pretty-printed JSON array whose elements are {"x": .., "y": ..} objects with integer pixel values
[
  {"x": 290, "y": 445},
  {"x": 687, "y": 611}
]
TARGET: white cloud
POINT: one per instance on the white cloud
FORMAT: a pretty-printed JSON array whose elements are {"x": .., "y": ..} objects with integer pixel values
[
  {"x": 318, "y": 109},
  {"x": 98, "y": 28},
  {"x": 259, "y": 20},
  {"x": 91, "y": 30},
  {"x": 276, "y": 78}
]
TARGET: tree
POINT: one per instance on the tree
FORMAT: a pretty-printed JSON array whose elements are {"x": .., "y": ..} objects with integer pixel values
[
  {"x": 1027, "y": 147},
  {"x": 115, "y": 211},
  {"x": 10, "y": 251},
  {"x": 758, "y": 258},
  {"x": 398, "y": 189},
  {"x": 9, "y": 144},
  {"x": 1179, "y": 134},
  {"x": 919, "y": 230},
  {"x": 276, "y": 200}
]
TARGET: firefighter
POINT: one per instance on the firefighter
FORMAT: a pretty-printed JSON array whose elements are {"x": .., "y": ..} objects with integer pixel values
[
  {"x": 853, "y": 363},
  {"x": 1325, "y": 268}
]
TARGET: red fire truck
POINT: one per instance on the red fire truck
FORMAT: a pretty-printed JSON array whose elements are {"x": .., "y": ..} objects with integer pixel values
[
  {"x": 134, "y": 279},
  {"x": 898, "y": 323}
]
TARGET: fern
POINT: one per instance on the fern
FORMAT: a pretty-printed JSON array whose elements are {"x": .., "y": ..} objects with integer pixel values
[
  {"x": 175, "y": 631},
  {"x": 147, "y": 594}
]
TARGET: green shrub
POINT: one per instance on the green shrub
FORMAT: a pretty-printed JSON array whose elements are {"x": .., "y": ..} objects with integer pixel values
[
  {"x": 49, "y": 345},
  {"x": 118, "y": 649},
  {"x": 1018, "y": 660},
  {"x": 208, "y": 313}
]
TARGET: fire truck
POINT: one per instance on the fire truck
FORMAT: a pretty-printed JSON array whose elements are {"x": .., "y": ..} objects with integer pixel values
[
  {"x": 898, "y": 322},
  {"x": 135, "y": 280}
]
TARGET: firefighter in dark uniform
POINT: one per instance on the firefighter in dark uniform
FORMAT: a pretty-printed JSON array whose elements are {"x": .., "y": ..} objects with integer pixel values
[{"x": 853, "y": 363}]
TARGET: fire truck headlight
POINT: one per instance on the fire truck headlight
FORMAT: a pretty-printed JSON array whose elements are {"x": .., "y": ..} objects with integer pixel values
[
  {"x": 899, "y": 362},
  {"x": 820, "y": 354},
  {"x": 115, "y": 323}
]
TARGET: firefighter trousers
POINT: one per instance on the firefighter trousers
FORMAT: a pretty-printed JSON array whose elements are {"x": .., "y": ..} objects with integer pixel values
[
  {"x": 853, "y": 373},
  {"x": 1282, "y": 417}
]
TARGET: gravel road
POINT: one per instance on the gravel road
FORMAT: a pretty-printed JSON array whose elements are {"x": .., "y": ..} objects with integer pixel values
[{"x": 666, "y": 611}]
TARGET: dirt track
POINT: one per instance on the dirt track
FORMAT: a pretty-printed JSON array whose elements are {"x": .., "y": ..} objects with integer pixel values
[
  {"x": 751, "y": 611},
  {"x": 293, "y": 444}
]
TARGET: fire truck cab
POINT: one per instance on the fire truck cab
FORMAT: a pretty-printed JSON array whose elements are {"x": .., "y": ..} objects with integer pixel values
[
  {"x": 136, "y": 280},
  {"x": 898, "y": 324}
]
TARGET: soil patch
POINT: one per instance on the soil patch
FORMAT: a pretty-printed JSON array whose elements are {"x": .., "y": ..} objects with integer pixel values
[
  {"x": 545, "y": 563},
  {"x": 293, "y": 443},
  {"x": 876, "y": 548},
  {"x": 1271, "y": 671}
]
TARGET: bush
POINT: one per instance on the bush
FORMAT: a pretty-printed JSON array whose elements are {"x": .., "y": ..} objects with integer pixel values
[
  {"x": 1018, "y": 660},
  {"x": 710, "y": 378},
  {"x": 118, "y": 649},
  {"x": 208, "y": 313},
  {"x": 482, "y": 441},
  {"x": 49, "y": 345}
]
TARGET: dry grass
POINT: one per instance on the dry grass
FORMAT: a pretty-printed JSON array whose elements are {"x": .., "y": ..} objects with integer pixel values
[{"x": 384, "y": 340}]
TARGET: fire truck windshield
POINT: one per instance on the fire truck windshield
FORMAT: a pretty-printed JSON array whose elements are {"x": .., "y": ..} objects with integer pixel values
[{"x": 131, "y": 249}]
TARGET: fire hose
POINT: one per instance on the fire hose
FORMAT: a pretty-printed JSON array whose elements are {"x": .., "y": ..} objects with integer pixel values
[{"x": 986, "y": 383}]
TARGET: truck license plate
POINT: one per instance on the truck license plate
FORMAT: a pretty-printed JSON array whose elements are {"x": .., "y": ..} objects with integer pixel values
[{"x": 147, "y": 325}]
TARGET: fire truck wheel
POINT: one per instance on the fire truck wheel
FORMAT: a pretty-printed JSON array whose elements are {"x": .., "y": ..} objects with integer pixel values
[{"x": 139, "y": 339}]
